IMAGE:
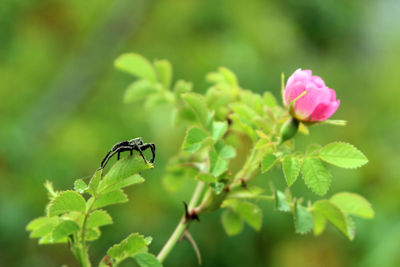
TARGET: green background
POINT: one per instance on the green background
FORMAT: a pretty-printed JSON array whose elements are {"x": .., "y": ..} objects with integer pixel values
[{"x": 61, "y": 110}]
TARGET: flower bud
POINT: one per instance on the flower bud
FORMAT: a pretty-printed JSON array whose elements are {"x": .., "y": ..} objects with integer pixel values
[
  {"x": 289, "y": 129},
  {"x": 308, "y": 98}
]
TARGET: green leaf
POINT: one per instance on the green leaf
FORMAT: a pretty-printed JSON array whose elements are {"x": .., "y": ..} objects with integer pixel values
[
  {"x": 124, "y": 169},
  {"x": 219, "y": 129},
  {"x": 92, "y": 234},
  {"x": 65, "y": 202},
  {"x": 197, "y": 103},
  {"x": 217, "y": 186},
  {"x": 110, "y": 198},
  {"x": 205, "y": 177},
  {"x": 269, "y": 100},
  {"x": 147, "y": 260},
  {"x": 193, "y": 140},
  {"x": 182, "y": 87},
  {"x": 291, "y": 169},
  {"x": 98, "y": 218},
  {"x": 131, "y": 180},
  {"x": 281, "y": 203},
  {"x": 137, "y": 65},
  {"x": 316, "y": 175},
  {"x": 80, "y": 186},
  {"x": 42, "y": 227},
  {"x": 231, "y": 222},
  {"x": 353, "y": 204},
  {"x": 139, "y": 90},
  {"x": 164, "y": 72},
  {"x": 64, "y": 229},
  {"x": 217, "y": 164},
  {"x": 229, "y": 76},
  {"x": 227, "y": 152},
  {"x": 343, "y": 155},
  {"x": 40, "y": 221},
  {"x": 94, "y": 181},
  {"x": 319, "y": 222},
  {"x": 128, "y": 247},
  {"x": 267, "y": 163},
  {"x": 246, "y": 113},
  {"x": 250, "y": 213},
  {"x": 303, "y": 219},
  {"x": 334, "y": 215}
]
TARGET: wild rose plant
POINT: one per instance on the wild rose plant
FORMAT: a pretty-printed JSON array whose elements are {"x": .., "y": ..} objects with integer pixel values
[{"x": 219, "y": 122}]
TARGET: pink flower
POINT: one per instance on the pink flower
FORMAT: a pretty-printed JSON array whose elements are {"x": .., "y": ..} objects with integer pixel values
[{"x": 317, "y": 104}]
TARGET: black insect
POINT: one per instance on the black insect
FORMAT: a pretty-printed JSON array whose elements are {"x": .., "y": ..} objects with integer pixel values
[{"x": 134, "y": 144}]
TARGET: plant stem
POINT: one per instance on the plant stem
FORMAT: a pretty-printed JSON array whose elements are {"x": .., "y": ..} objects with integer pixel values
[{"x": 180, "y": 228}]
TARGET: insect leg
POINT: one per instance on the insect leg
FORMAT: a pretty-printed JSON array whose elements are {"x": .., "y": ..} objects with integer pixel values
[
  {"x": 137, "y": 148},
  {"x": 153, "y": 150}
]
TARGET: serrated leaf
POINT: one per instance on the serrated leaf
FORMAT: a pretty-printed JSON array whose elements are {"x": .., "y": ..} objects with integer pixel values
[
  {"x": 268, "y": 162},
  {"x": 80, "y": 186},
  {"x": 231, "y": 222},
  {"x": 316, "y": 176},
  {"x": 343, "y": 155},
  {"x": 197, "y": 104},
  {"x": 319, "y": 222},
  {"x": 193, "y": 140},
  {"x": 334, "y": 215},
  {"x": 94, "y": 181},
  {"x": 281, "y": 203},
  {"x": 137, "y": 65},
  {"x": 38, "y": 222},
  {"x": 218, "y": 165},
  {"x": 128, "y": 247},
  {"x": 124, "y": 169},
  {"x": 164, "y": 72},
  {"x": 64, "y": 229},
  {"x": 65, "y": 202},
  {"x": 147, "y": 260},
  {"x": 92, "y": 234},
  {"x": 44, "y": 227},
  {"x": 131, "y": 180},
  {"x": 139, "y": 90},
  {"x": 98, "y": 218},
  {"x": 303, "y": 219},
  {"x": 353, "y": 204},
  {"x": 218, "y": 129},
  {"x": 250, "y": 213},
  {"x": 291, "y": 169},
  {"x": 48, "y": 239},
  {"x": 110, "y": 198}
]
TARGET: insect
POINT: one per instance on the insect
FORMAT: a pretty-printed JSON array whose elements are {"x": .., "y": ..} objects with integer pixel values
[{"x": 134, "y": 144}]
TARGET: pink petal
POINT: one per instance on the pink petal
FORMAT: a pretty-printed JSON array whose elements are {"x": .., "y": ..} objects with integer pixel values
[
  {"x": 324, "y": 111},
  {"x": 299, "y": 76},
  {"x": 294, "y": 91},
  {"x": 333, "y": 95},
  {"x": 305, "y": 106},
  {"x": 318, "y": 81}
]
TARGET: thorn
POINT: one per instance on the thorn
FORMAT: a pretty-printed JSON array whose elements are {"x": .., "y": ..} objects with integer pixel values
[{"x": 188, "y": 237}]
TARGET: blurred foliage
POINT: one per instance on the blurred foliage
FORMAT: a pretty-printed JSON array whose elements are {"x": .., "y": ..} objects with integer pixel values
[{"x": 61, "y": 111}]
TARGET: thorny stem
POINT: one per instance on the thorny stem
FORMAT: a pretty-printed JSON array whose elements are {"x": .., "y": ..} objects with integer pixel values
[
  {"x": 246, "y": 172},
  {"x": 180, "y": 228}
]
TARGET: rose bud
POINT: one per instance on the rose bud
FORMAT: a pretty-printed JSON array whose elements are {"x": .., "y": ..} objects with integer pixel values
[
  {"x": 318, "y": 102},
  {"x": 309, "y": 100}
]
